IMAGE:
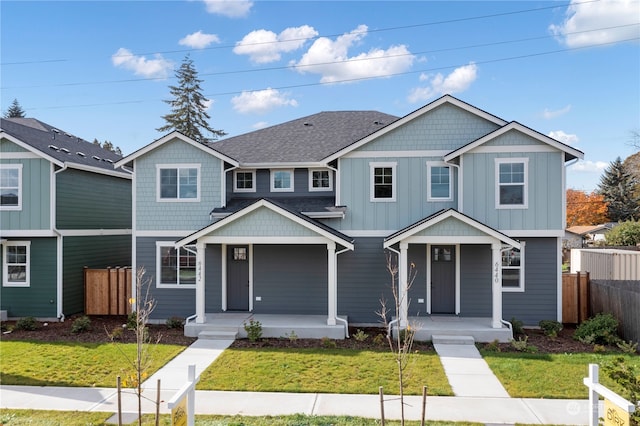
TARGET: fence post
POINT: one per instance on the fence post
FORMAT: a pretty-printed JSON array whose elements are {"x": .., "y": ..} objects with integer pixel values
[{"x": 578, "y": 304}]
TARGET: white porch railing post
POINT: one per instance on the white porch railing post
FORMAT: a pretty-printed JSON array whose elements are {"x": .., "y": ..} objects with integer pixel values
[
  {"x": 496, "y": 285},
  {"x": 200, "y": 305},
  {"x": 332, "y": 293},
  {"x": 593, "y": 395},
  {"x": 403, "y": 290}
]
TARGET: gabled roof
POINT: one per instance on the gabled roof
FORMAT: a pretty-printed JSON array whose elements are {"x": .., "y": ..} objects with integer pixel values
[
  {"x": 443, "y": 215},
  {"x": 314, "y": 207},
  {"x": 583, "y": 230},
  {"x": 59, "y": 147},
  {"x": 169, "y": 137},
  {"x": 315, "y": 226},
  {"x": 572, "y": 153},
  {"x": 446, "y": 99},
  {"x": 307, "y": 140}
]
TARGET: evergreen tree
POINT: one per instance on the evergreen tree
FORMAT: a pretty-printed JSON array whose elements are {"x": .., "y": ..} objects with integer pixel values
[
  {"x": 617, "y": 187},
  {"x": 15, "y": 110},
  {"x": 188, "y": 109},
  {"x": 109, "y": 146}
]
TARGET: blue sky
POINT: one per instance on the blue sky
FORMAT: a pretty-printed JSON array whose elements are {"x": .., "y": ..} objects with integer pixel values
[{"x": 101, "y": 70}]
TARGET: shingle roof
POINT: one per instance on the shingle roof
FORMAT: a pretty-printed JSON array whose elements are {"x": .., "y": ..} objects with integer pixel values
[
  {"x": 58, "y": 144},
  {"x": 298, "y": 204},
  {"x": 304, "y": 140}
]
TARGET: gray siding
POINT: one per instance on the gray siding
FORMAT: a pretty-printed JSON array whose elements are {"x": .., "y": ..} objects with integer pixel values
[
  {"x": 263, "y": 186},
  {"x": 213, "y": 279},
  {"x": 417, "y": 256},
  {"x": 290, "y": 279},
  {"x": 475, "y": 281}
]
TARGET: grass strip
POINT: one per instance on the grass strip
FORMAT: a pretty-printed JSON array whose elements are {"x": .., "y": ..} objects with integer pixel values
[
  {"x": 75, "y": 364},
  {"x": 345, "y": 371}
]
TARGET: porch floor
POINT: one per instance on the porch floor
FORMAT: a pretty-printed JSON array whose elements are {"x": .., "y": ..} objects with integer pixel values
[{"x": 450, "y": 325}]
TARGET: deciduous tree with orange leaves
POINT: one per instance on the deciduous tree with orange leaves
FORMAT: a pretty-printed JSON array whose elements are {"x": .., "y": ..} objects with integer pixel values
[{"x": 585, "y": 208}]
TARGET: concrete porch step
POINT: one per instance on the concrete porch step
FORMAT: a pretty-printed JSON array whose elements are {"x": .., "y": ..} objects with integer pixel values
[
  {"x": 218, "y": 335},
  {"x": 452, "y": 340}
]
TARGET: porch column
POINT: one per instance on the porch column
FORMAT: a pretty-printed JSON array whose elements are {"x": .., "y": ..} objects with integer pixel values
[
  {"x": 403, "y": 290},
  {"x": 332, "y": 293},
  {"x": 496, "y": 285},
  {"x": 200, "y": 248}
]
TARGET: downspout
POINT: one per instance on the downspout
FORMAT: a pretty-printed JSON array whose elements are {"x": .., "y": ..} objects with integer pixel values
[
  {"x": 342, "y": 320},
  {"x": 59, "y": 245},
  {"x": 223, "y": 185},
  {"x": 397, "y": 319},
  {"x": 336, "y": 186}
]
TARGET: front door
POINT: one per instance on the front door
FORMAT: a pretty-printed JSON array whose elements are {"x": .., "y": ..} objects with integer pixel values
[
  {"x": 238, "y": 278},
  {"x": 443, "y": 279}
]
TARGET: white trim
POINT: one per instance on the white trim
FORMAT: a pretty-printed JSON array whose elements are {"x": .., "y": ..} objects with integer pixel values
[
  {"x": 164, "y": 234},
  {"x": 283, "y": 165},
  {"x": 559, "y": 280},
  {"x": 521, "y": 277},
  {"x": 441, "y": 164},
  {"x": 30, "y": 148},
  {"x": 250, "y": 254},
  {"x": 134, "y": 229},
  {"x": 338, "y": 184},
  {"x": 17, "y": 167},
  {"x": 369, "y": 233},
  {"x": 525, "y": 185},
  {"x": 394, "y": 177},
  {"x": 457, "y": 281},
  {"x": 262, "y": 240},
  {"x": 59, "y": 276},
  {"x": 178, "y": 167},
  {"x": 428, "y": 277},
  {"x": 20, "y": 155},
  {"x": 272, "y": 176},
  {"x": 253, "y": 180},
  {"x": 159, "y": 284},
  {"x": 325, "y": 215},
  {"x": 319, "y": 189},
  {"x": 27, "y": 233},
  {"x": 449, "y": 239},
  {"x": 223, "y": 277},
  {"x": 92, "y": 232},
  {"x": 98, "y": 170},
  {"x": 502, "y": 149},
  {"x": 5, "y": 266},
  {"x": 395, "y": 154}
]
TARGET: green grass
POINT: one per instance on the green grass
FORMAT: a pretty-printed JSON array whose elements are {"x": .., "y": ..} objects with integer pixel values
[
  {"x": 74, "y": 364},
  {"x": 323, "y": 371},
  {"x": 549, "y": 375}
]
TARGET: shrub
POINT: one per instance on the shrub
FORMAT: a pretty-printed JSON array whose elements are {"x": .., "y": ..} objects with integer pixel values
[
  {"x": 328, "y": 343},
  {"x": 132, "y": 321},
  {"x": 550, "y": 328},
  {"x": 253, "y": 329},
  {"x": 628, "y": 377},
  {"x": 629, "y": 347},
  {"x": 81, "y": 324},
  {"x": 601, "y": 329},
  {"x": 291, "y": 336},
  {"x": 517, "y": 327},
  {"x": 174, "y": 322},
  {"x": 360, "y": 336},
  {"x": 116, "y": 333},
  {"x": 380, "y": 339},
  {"x": 26, "y": 323},
  {"x": 493, "y": 346}
]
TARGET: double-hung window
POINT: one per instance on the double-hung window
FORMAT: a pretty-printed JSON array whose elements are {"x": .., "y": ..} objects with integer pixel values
[
  {"x": 179, "y": 182},
  {"x": 281, "y": 180},
  {"x": 244, "y": 181},
  {"x": 511, "y": 183},
  {"x": 513, "y": 268},
  {"x": 383, "y": 181},
  {"x": 438, "y": 182},
  {"x": 320, "y": 180},
  {"x": 176, "y": 266},
  {"x": 11, "y": 187},
  {"x": 16, "y": 264}
]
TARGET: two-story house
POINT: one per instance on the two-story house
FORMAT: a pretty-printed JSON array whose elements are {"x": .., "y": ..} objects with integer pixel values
[
  {"x": 63, "y": 206},
  {"x": 296, "y": 221}
]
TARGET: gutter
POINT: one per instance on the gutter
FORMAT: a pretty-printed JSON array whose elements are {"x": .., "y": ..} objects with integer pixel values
[{"x": 59, "y": 246}]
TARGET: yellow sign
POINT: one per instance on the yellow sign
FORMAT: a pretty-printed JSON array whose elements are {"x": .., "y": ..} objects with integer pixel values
[
  {"x": 614, "y": 415},
  {"x": 179, "y": 413}
]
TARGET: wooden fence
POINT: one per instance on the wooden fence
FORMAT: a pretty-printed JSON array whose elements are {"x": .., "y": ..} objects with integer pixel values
[
  {"x": 107, "y": 291},
  {"x": 622, "y": 300},
  {"x": 575, "y": 297}
]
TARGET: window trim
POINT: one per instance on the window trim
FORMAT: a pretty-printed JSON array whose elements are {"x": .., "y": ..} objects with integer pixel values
[
  {"x": 521, "y": 280},
  {"x": 178, "y": 167},
  {"x": 525, "y": 184},
  {"x": 272, "y": 180},
  {"x": 19, "y": 168},
  {"x": 329, "y": 188},
  {"x": 235, "y": 181},
  {"x": 5, "y": 264},
  {"x": 159, "y": 284},
  {"x": 430, "y": 165},
  {"x": 394, "y": 178}
]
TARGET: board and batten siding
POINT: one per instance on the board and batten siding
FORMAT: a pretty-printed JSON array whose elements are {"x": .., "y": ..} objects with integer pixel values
[
  {"x": 417, "y": 264},
  {"x": 263, "y": 186},
  {"x": 39, "y": 299},
  {"x": 171, "y": 215},
  {"x": 35, "y": 213},
  {"x": 475, "y": 280},
  {"x": 213, "y": 278},
  {"x": 92, "y": 201}
]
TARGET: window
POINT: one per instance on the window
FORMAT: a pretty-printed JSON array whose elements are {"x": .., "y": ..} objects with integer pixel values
[
  {"x": 282, "y": 180},
  {"x": 15, "y": 264},
  {"x": 176, "y": 267},
  {"x": 383, "y": 185},
  {"x": 179, "y": 183},
  {"x": 320, "y": 180},
  {"x": 239, "y": 253},
  {"x": 511, "y": 179},
  {"x": 11, "y": 187},
  {"x": 513, "y": 269},
  {"x": 244, "y": 181},
  {"x": 439, "y": 182}
]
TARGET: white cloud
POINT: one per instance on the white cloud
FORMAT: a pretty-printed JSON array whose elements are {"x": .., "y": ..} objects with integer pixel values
[
  {"x": 199, "y": 40},
  {"x": 563, "y": 137},
  {"x": 589, "y": 166},
  {"x": 330, "y": 59},
  {"x": 261, "y": 101},
  {"x": 601, "y": 16},
  {"x": 458, "y": 81},
  {"x": 264, "y": 46},
  {"x": 149, "y": 68},
  {"x": 260, "y": 125},
  {"x": 229, "y": 8},
  {"x": 548, "y": 114}
]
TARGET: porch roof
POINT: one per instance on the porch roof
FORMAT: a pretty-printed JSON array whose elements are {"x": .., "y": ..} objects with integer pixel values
[{"x": 430, "y": 222}]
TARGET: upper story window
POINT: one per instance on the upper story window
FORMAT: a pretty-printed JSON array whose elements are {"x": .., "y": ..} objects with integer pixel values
[
  {"x": 511, "y": 182},
  {"x": 179, "y": 182},
  {"x": 439, "y": 182},
  {"x": 11, "y": 187},
  {"x": 513, "y": 268},
  {"x": 282, "y": 180},
  {"x": 383, "y": 181},
  {"x": 320, "y": 180},
  {"x": 16, "y": 264},
  {"x": 244, "y": 181},
  {"x": 176, "y": 267}
]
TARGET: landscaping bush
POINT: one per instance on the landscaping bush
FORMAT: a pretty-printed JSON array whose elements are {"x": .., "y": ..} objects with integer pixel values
[
  {"x": 26, "y": 323},
  {"x": 81, "y": 324},
  {"x": 253, "y": 329},
  {"x": 174, "y": 322},
  {"x": 517, "y": 327},
  {"x": 601, "y": 329},
  {"x": 550, "y": 328}
]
